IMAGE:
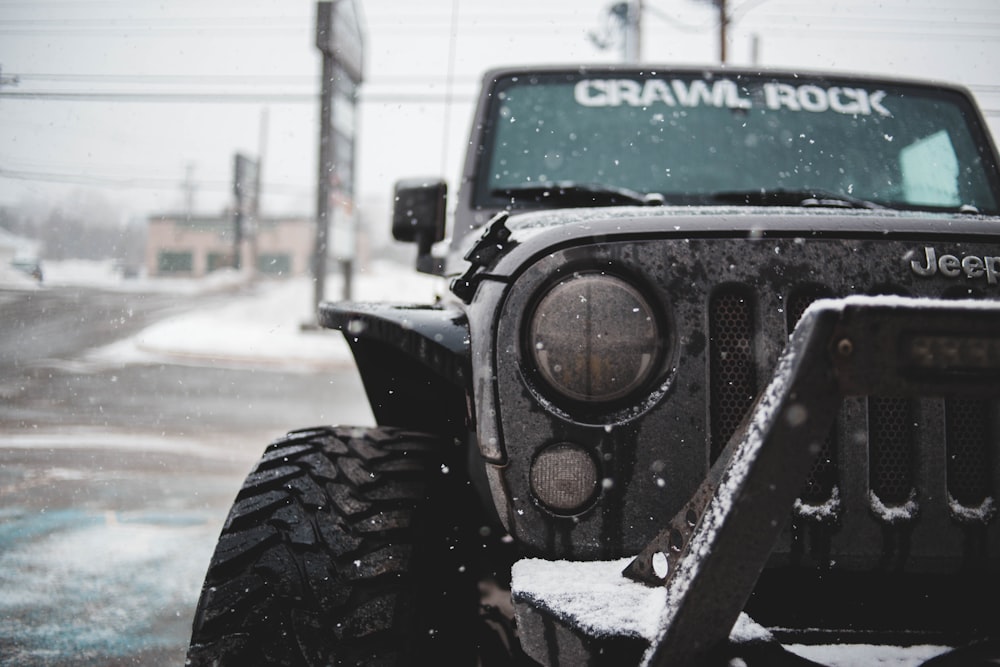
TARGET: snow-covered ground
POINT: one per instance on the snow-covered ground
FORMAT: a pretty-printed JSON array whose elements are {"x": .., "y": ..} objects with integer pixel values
[
  {"x": 261, "y": 324},
  {"x": 106, "y": 275},
  {"x": 11, "y": 278}
]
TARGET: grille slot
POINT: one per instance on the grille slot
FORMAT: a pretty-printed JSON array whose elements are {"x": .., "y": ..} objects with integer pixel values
[
  {"x": 822, "y": 478},
  {"x": 968, "y": 436},
  {"x": 732, "y": 366},
  {"x": 891, "y": 441},
  {"x": 892, "y": 433}
]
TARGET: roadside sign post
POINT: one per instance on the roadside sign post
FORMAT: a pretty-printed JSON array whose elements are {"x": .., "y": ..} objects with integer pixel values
[
  {"x": 246, "y": 185},
  {"x": 340, "y": 41}
]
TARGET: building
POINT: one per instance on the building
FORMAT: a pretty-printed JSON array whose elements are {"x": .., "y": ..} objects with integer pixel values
[{"x": 193, "y": 246}]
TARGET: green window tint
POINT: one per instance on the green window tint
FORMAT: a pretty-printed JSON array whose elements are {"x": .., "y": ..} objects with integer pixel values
[
  {"x": 930, "y": 171},
  {"x": 219, "y": 260},
  {"x": 175, "y": 262}
]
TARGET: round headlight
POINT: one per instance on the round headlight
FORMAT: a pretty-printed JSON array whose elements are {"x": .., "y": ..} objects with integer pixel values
[{"x": 594, "y": 338}]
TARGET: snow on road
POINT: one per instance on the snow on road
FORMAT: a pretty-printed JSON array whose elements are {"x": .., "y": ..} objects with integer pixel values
[{"x": 262, "y": 323}]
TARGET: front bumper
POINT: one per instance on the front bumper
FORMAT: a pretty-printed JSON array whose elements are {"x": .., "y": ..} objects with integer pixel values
[{"x": 708, "y": 559}]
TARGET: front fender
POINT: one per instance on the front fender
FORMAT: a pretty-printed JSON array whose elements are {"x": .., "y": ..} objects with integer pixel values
[{"x": 414, "y": 361}]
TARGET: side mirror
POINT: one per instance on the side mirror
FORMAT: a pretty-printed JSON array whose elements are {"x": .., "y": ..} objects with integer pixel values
[{"x": 418, "y": 216}]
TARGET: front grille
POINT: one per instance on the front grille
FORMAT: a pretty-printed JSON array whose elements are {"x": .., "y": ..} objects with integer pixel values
[{"x": 889, "y": 428}]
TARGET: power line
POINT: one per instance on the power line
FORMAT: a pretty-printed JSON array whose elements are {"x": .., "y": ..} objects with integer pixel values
[
  {"x": 145, "y": 183},
  {"x": 498, "y": 30},
  {"x": 157, "y": 22},
  {"x": 417, "y": 79},
  {"x": 167, "y": 79},
  {"x": 491, "y": 29},
  {"x": 91, "y": 179},
  {"x": 90, "y": 26},
  {"x": 94, "y": 4},
  {"x": 182, "y": 98},
  {"x": 228, "y": 98},
  {"x": 150, "y": 32},
  {"x": 812, "y": 31},
  {"x": 856, "y": 22}
]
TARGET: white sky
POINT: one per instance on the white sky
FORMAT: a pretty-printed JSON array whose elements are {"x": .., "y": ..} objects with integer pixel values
[{"x": 136, "y": 153}]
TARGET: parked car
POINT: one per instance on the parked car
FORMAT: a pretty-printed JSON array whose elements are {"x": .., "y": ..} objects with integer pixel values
[{"x": 30, "y": 266}]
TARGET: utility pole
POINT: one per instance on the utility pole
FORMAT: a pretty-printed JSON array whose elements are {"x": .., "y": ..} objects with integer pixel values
[
  {"x": 323, "y": 194},
  {"x": 633, "y": 31},
  {"x": 723, "y": 20},
  {"x": 723, "y": 29},
  {"x": 188, "y": 187},
  {"x": 256, "y": 214},
  {"x": 245, "y": 182},
  {"x": 625, "y": 18}
]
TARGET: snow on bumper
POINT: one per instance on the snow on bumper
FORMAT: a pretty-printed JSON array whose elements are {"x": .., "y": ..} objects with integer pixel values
[{"x": 589, "y": 608}]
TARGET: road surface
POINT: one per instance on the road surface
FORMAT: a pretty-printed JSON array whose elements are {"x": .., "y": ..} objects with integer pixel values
[{"x": 115, "y": 478}]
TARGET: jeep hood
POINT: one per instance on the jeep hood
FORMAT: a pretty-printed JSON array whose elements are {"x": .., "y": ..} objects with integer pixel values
[{"x": 540, "y": 232}]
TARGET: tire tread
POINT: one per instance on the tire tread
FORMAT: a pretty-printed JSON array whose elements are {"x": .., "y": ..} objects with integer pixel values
[{"x": 314, "y": 562}]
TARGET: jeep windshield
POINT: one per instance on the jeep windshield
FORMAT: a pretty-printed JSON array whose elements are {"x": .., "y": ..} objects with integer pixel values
[{"x": 617, "y": 138}]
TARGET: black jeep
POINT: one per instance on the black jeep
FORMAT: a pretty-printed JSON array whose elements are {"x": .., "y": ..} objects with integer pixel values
[{"x": 740, "y": 327}]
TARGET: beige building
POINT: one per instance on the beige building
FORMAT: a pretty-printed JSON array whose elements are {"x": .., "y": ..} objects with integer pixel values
[{"x": 183, "y": 246}]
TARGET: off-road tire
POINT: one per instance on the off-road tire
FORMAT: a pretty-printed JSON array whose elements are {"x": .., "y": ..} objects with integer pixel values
[{"x": 340, "y": 549}]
